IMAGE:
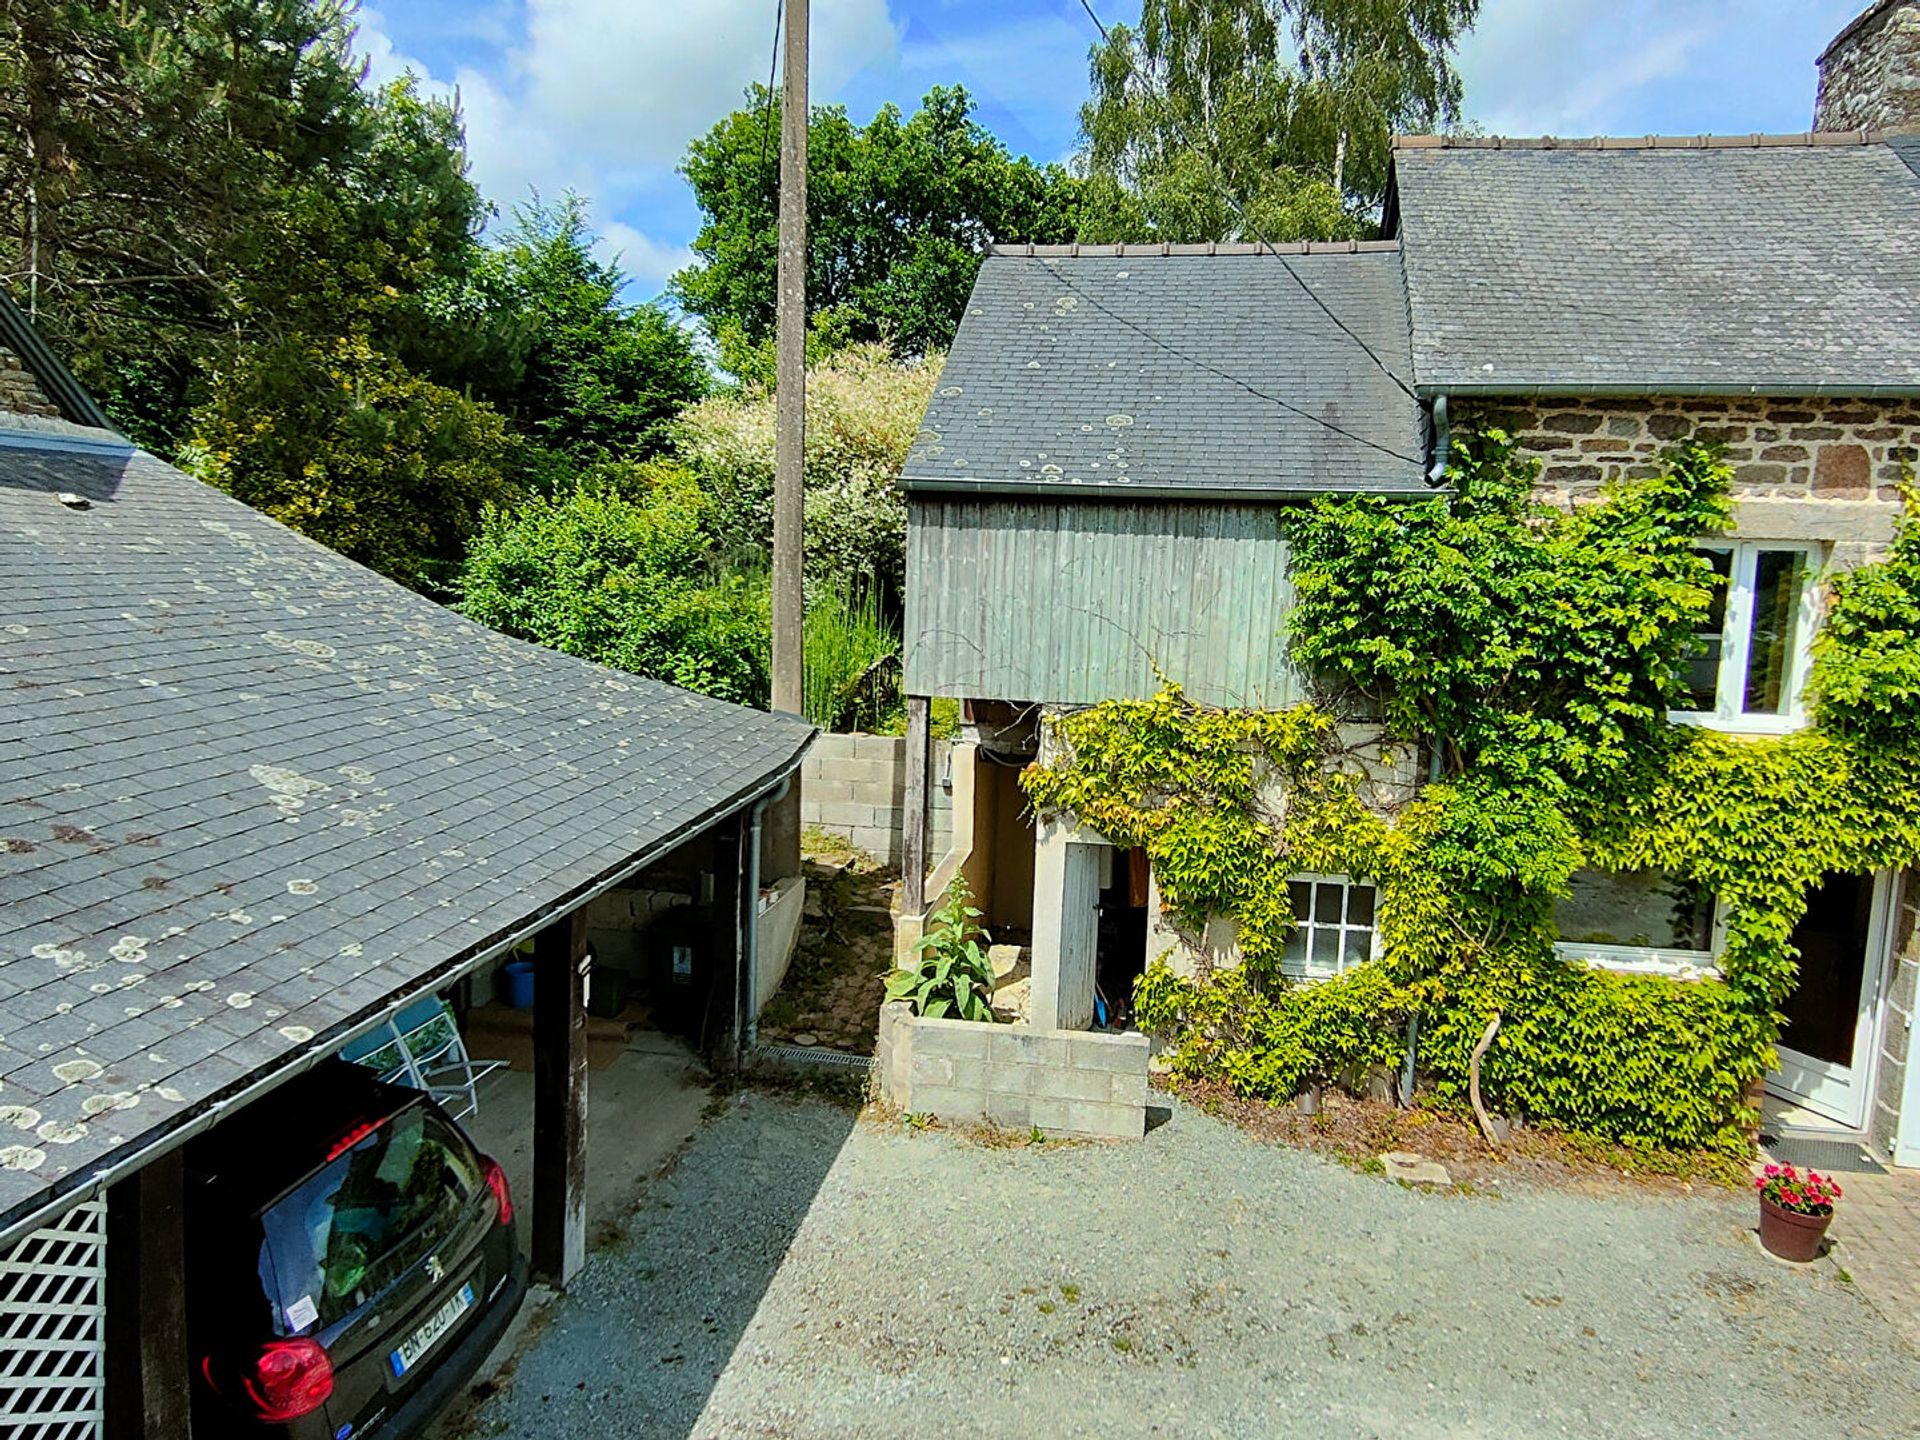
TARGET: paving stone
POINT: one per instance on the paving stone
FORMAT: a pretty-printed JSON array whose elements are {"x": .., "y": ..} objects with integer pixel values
[{"x": 1414, "y": 1169}]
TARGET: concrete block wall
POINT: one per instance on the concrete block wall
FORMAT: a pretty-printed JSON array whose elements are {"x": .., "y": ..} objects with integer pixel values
[
  {"x": 1067, "y": 1082},
  {"x": 854, "y": 786}
]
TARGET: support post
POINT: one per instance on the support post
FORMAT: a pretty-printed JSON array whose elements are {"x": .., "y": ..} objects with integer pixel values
[
  {"x": 781, "y": 826},
  {"x": 147, "y": 1376},
  {"x": 913, "y": 812},
  {"x": 732, "y": 993},
  {"x": 560, "y": 965}
]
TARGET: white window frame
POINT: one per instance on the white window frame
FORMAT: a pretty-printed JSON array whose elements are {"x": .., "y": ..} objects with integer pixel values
[
  {"x": 1675, "y": 962},
  {"x": 1736, "y": 642},
  {"x": 1305, "y": 970}
]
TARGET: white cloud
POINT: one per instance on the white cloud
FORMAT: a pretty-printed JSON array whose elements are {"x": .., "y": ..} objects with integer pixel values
[{"x": 647, "y": 261}]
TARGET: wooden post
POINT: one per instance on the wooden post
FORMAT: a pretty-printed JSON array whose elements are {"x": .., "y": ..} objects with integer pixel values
[
  {"x": 913, "y": 812},
  {"x": 731, "y": 998},
  {"x": 147, "y": 1375},
  {"x": 781, "y": 826},
  {"x": 560, "y": 965}
]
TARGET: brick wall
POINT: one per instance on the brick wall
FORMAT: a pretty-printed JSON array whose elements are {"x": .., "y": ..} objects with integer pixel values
[
  {"x": 1870, "y": 75},
  {"x": 966, "y": 1072},
  {"x": 20, "y": 393},
  {"x": 1834, "y": 465},
  {"x": 854, "y": 786}
]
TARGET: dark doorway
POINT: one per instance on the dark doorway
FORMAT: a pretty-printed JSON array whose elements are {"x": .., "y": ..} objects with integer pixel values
[
  {"x": 1120, "y": 945},
  {"x": 1823, "y": 1012}
]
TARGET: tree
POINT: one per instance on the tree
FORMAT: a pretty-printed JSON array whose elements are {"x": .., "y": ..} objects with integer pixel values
[
  {"x": 863, "y": 409},
  {"x": 619, "y": 570},
  {"x": 347, "y": 446},
  {"x": 1221, "y": 119},
  {"x": 899, "y": 214},
  {"x": 571, "y": 365},
  {"x": 206, "y": 174}
]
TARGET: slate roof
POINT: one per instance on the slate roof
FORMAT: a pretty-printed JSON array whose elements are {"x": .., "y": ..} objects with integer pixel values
[
  {"x": 1778, "y": 265},
  {"x": 1176, "y": 371},
  {"x": 251, "y": 792}
]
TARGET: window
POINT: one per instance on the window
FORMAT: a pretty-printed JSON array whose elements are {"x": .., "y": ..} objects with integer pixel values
[
  {"x": 1638, "y": 920},
  {"x": 1750, "y": 659},
  {"x": 1333, "y": 926}
]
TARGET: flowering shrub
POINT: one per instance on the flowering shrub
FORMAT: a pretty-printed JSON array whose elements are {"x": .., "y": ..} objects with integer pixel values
[{"x": 1809, "y": 1194}]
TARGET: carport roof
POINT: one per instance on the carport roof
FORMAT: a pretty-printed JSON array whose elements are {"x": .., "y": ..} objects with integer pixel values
[{"x": 251, "y": 793}]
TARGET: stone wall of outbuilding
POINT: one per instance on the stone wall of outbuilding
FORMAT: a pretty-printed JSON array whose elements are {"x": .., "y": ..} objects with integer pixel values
[{"x": 1818, "y": 469}]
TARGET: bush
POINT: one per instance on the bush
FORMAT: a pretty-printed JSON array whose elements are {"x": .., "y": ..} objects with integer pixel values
[
  {"x": 851, "y": 663},
  {"x": 863, "y": 410},
  {"x": 625, "y": 580}
]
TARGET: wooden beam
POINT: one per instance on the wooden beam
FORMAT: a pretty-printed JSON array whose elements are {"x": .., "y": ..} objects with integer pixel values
[
  {"x": 147, "y": 1376},
  {"x": 560, "y": 965},
  {"x": 913, "y": 812},
  {"x": 730, "y": 992}
]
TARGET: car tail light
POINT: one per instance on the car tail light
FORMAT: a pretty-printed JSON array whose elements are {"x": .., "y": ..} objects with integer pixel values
[
  {"x": 497, "y": 1182},
  {"x": 282, "y": 1380}
]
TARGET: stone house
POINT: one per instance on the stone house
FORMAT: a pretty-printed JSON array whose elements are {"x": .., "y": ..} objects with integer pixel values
[{"x": 1091, "y": 502}]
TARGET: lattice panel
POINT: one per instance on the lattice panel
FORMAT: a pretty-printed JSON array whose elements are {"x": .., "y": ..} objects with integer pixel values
[{"x": 53, "y": 1329}]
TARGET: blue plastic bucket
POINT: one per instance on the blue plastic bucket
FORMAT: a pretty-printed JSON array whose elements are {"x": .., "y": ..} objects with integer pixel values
[{"x": 516, "y": 983}]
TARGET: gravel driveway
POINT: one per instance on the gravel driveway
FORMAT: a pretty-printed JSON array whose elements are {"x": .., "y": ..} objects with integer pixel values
[{"x": 802, "y": 1275}]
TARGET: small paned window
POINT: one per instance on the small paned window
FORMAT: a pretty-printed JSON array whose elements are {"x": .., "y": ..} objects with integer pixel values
[
  {"x": 1333, "y": 925},
  {"x": 1749, "y": 660}
]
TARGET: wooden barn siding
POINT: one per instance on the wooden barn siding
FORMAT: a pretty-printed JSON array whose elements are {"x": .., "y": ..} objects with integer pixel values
[{"x": 1073, "y": 603}]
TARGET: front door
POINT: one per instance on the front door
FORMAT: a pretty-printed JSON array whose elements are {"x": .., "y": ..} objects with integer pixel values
[{"x": 1827, "y": 1044}]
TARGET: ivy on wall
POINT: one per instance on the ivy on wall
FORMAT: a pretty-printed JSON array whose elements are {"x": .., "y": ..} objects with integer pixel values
[{"x": 1530, "y": 655}]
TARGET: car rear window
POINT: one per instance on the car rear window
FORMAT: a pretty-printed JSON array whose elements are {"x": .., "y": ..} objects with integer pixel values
[{"x": 349, "y": 1229}]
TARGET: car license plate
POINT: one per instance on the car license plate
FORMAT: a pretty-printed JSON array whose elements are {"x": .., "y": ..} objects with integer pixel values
[{"x": 437, "y": 1324}]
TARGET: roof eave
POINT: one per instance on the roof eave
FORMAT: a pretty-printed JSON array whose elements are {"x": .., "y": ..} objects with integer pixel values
[
  {"x": 977, "y": 488},
  {"x": 1612, "y": 389}
]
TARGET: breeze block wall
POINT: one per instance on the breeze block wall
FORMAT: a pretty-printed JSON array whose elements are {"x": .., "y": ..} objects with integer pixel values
[
  {"x": 1067, "y": 1082},
  {"x": 1821, "y": 469},
  {"x": 855, "y": 786}
]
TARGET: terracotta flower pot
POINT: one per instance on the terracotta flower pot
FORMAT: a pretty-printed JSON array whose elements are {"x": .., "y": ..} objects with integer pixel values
[{"x": 1789, "y": 1234}]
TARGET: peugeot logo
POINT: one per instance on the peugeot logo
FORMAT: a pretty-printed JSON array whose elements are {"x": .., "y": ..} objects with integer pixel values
[{"x": 436, "y": 1272}]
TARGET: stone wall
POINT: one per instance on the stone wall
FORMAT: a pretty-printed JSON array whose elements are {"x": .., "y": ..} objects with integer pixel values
[
  {"x": 20, "y": 393},
  {"x": 1068, "y": 1082},
  {"x": 854, "y": 786},
  {"x": 1803, "y": 469},
  {"x": 1883, "y": 1121},
  {"x": 1870, "y": 75}
]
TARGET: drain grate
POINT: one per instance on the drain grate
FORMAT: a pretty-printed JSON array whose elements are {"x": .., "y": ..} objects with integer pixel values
[
  {"x": 1845, "y": 1157},
  {"x": 812, "y": 1055}
]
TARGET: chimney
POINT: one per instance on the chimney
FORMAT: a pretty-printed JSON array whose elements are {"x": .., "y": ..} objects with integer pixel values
[{"x": 1870, "y": 74}]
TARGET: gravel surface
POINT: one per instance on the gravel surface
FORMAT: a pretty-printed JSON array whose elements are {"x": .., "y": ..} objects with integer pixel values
[{"x": 801, "y": 1275}]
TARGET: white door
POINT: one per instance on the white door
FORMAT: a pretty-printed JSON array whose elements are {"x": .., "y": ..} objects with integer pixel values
[{"x": 1827, "y": 1046}]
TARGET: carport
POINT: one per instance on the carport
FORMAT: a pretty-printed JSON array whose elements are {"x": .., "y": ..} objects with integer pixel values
[{"x": 256, "y": 801}]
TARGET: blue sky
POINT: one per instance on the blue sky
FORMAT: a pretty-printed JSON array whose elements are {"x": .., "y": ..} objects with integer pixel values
[{"x": 601, "y": 96}]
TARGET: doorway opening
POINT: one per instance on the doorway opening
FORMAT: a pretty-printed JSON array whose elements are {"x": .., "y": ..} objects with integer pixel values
[
  {"x": 1828, "y": 1042},
  {"x": 1120, "y": 936}
]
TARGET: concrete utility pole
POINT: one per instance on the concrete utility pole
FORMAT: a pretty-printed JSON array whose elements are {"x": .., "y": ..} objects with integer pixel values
[{"x": 782, "y": 825}]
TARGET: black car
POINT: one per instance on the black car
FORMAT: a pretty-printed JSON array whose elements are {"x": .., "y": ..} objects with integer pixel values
[{"x": 350, "y": 1261}]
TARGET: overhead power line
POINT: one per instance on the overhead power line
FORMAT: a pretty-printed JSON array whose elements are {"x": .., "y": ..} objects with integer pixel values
[
  {"x": 1059, "y": 275},
  {"x": 1246, "y": 220}
]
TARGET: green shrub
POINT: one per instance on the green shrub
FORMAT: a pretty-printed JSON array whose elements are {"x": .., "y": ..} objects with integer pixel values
[
  {"x": 851, "y": 663},
  {"x": 952, "y": 976},
  {"x": 624, "y": 579}
]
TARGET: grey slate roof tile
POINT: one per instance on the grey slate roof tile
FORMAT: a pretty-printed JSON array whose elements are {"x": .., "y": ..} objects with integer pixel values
[
  {"x": 1132, "y": 374},
  {"x": 283, "y": 715},
  {"x": 1772, "y": 268}
]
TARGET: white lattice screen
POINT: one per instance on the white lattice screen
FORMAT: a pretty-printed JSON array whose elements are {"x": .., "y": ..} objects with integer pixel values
[{"x": 53, "y": 1329}]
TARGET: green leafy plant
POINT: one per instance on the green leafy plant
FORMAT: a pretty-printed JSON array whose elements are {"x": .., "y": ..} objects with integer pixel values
[
  {"x": 952, "y": 976},
  {"x": 852, "y": 660}
]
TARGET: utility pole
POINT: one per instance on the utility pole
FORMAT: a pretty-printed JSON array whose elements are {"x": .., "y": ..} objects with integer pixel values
[{"x": 782, "y": 828}]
